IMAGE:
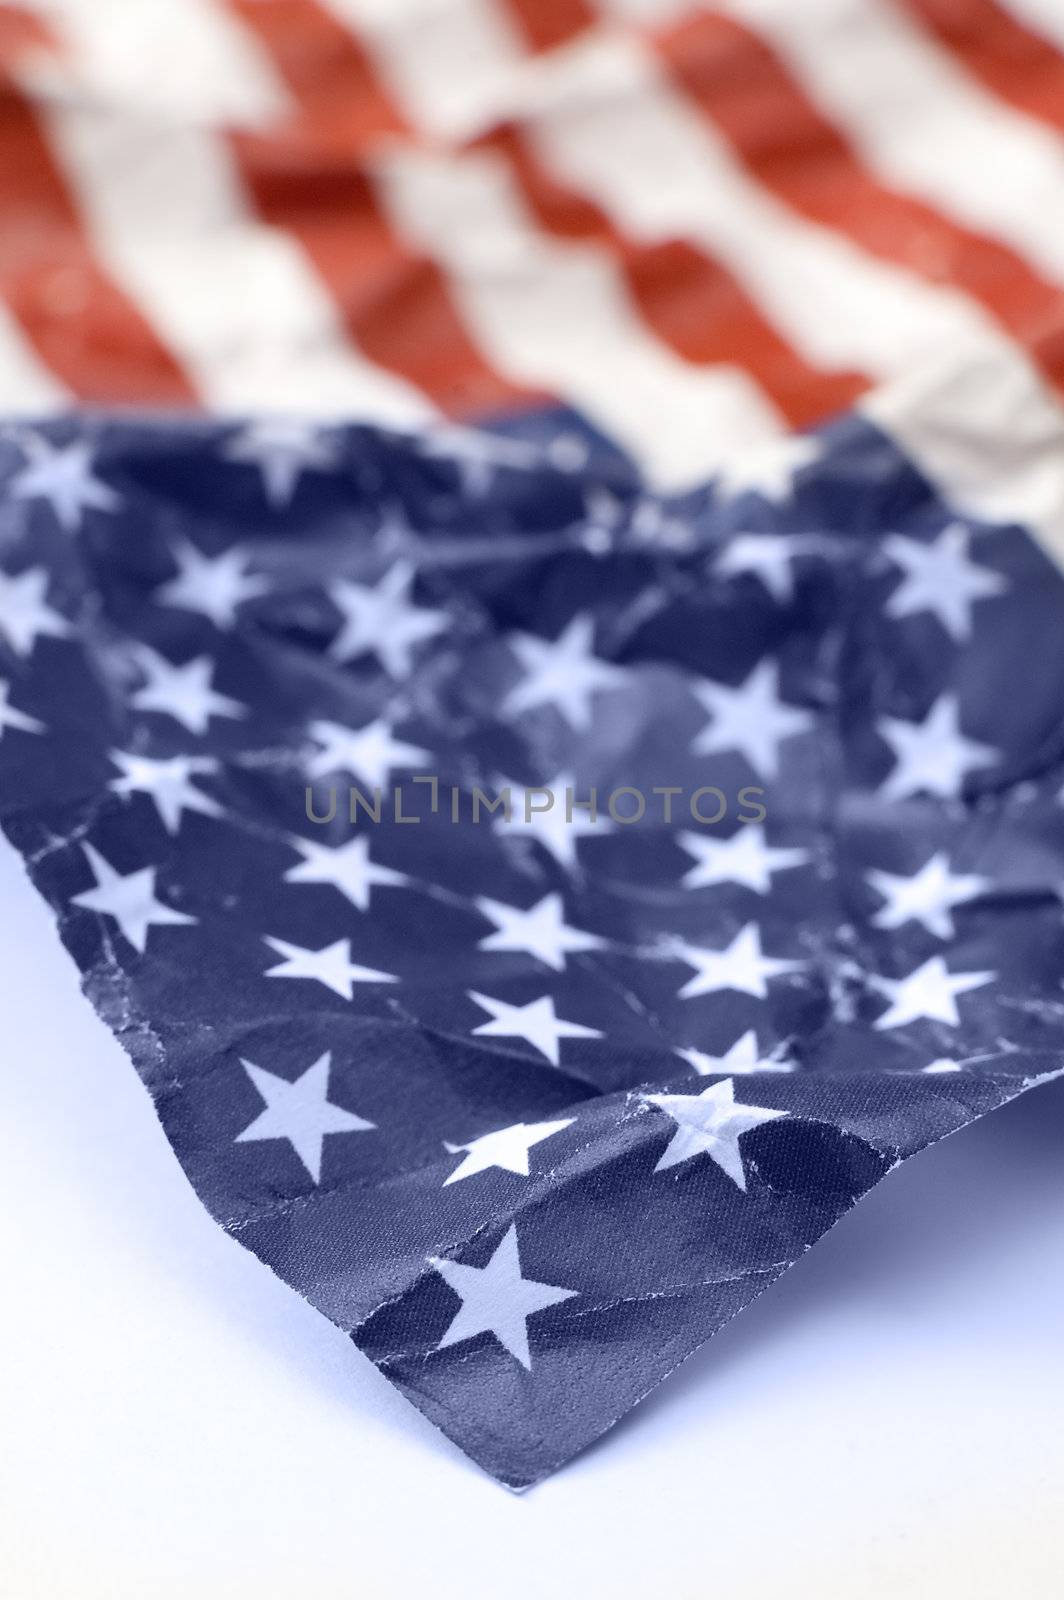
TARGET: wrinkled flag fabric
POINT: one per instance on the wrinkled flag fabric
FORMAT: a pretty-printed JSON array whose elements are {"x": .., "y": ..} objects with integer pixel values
[{"x": 530, "y": 1106}]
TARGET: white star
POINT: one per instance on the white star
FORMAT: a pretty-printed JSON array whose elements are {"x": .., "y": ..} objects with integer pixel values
[
  {"x": 167, "y": 782},
  {"x": 941, "y": 577},
  {"x": 933, "y": 756},
  {"x": 710, "y": 1123},
  {"x": 476, "y": 454},
  {"x": 62, "y": 475},
  {"x": 555, "y": 832},
  {"x": 368, "y": 753},
  {"x": 928, "y": 896},
  {"x": 331, "y": 966},
  {"x": 25, "y": 614},
  {"x": 652, "y": 524},
  {"x": 743, "y": 1056},
  {"x": 346, "y": 867},
  {"x": 11, "y": 718},
  {"x": 745, "y": 859},
  {"x": 535, "y": 1022},
  {"x": 768, "y": 468},
  {"x": 383, "y": 620},
  {"x": 212, "y": 585},
  {"x": 562, "y": 672},
  {"x": 602, "y": 521},
  {"x": 930, "y": 991},
  {"x": 739, "y": 966},
  {"x": 568, "y": 452},
  {"x": 506, "y": 1149},
  {"x": 540, "y": 931},
  {"x": 183, "y": 692},
  {"x": 764, "y": 555},
  {"x": 130, "y": 900},
  {"x": 751, "y": 718},
  {"x": 496, "y": 1299},
  {"x": 298, "y": 1110},
  {"x": 282, "y": 448}
]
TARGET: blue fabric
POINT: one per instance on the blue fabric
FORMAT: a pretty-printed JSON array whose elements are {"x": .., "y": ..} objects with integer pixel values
[{"x": 649, "y": 1243}]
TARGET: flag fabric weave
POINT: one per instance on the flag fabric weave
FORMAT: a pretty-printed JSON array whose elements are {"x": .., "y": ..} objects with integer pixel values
[
  {"x": 530, "y": 652},
  {"x": 531, "y": 1105}
]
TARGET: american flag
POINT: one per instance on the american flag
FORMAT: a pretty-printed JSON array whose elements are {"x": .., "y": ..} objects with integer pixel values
[{"x": 758, "y": 313}]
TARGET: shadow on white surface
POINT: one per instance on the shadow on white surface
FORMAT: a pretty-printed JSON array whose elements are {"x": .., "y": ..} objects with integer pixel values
[{"x": 959, "y": 1215}]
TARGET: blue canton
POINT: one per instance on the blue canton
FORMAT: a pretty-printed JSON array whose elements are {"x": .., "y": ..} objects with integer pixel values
[{"x": 531, "y": 1105}]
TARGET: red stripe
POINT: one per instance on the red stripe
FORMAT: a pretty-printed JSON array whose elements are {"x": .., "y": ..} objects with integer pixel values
[
  {"x": 395, "y": 304},
  {"x": 325, "y": 67},
  {"x": 791, "y": 148},
  {"x": 80, "y": 323},
  {"x": 308, "y": 179},
  {"x": 690, "y": 300},
  {"x": 548, "y": 23},
  {"x": 1018, "y": 65},
  {"x": 22, "y": 32}
]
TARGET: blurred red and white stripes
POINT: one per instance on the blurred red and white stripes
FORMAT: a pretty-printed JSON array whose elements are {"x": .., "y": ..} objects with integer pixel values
[{"x": 698, "y": 225}]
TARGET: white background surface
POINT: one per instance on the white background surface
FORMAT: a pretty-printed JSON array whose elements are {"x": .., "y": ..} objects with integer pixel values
[{"x": 887, "y": 1421}]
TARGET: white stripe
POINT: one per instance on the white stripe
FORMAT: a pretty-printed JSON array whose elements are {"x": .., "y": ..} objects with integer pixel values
[
  {"x": 453, "y": 65},
  {"x": 920, "y": 122},
  {"x": 557, "y": 316},
  {"x": 181, "y": 58},
  {"x": 26, "y": 384},
  {"x": 645, "y": 13},
  {"x": 609, "y": 123},
  {"x": 988, "y": 434},
  {"x": 237, "y": 301},
  {"x": 1041, "y": 16}
]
